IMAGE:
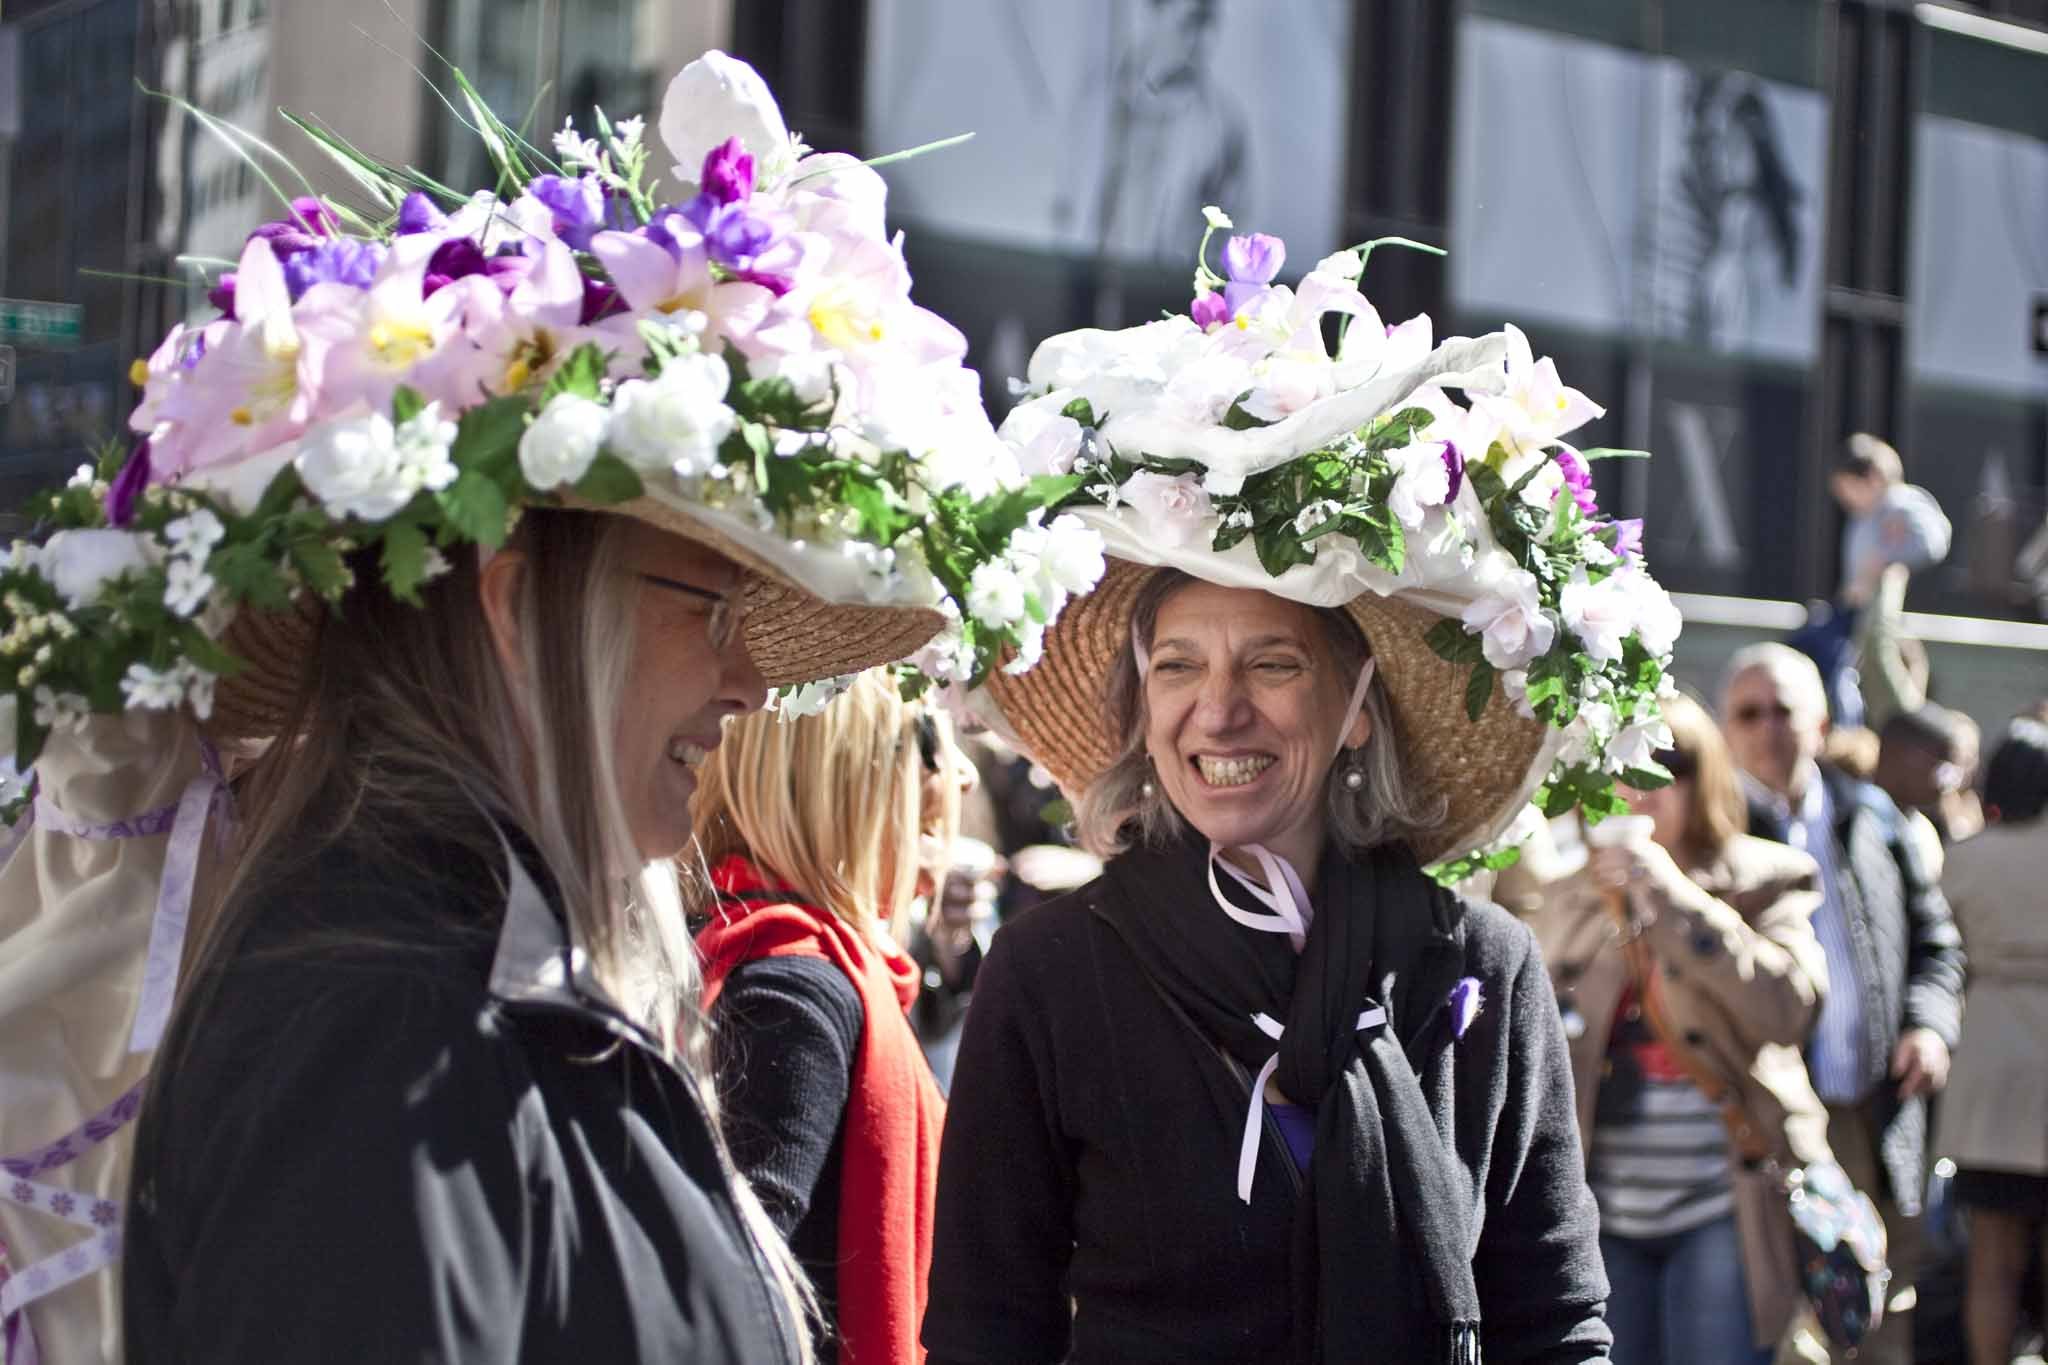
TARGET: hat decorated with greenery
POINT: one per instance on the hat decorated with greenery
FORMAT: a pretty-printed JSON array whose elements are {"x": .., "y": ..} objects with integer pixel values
[
  {"x": 733, "y": 356},
  {"x": 1521, "y": 640}
]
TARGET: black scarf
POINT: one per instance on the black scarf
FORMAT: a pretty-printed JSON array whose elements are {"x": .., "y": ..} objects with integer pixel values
[{"x": 1385, "y": 1223}]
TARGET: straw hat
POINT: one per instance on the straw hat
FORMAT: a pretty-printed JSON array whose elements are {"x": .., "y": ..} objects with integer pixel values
[
  {"x": 1483, "y": 770},
  {"x": 806, "y": 618}
]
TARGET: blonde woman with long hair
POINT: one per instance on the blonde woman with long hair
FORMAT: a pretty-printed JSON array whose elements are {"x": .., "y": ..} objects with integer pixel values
[{"x": 817, "y": 834}]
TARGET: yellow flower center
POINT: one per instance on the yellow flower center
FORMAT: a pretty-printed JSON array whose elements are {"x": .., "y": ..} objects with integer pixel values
[
  {"x": 839, "y": 322},
  {"x": 399, "y": 343},
  {"x": 138, "y": 373},
  {"x": 241, "y": 417}
]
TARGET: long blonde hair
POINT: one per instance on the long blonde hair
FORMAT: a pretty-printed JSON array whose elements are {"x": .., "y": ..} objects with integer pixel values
[{"x": 830, "y": 804}]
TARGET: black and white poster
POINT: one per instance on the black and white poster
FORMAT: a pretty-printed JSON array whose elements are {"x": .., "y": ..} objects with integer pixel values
[{"x": 1103, "y": 126}]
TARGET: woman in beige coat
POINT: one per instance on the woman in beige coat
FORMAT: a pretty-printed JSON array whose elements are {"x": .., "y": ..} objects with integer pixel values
[
  {"x": 1994, "y": 1118},
  {"x": 1696, "y": 933}
]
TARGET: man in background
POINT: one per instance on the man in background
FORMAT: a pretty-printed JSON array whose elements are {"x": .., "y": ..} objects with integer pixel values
[{"x": 1893, "y": 1009}]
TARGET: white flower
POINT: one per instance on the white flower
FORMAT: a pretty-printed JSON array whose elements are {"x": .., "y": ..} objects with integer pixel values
[
  {"x": 151, "y": 689},
  {"x": 1657, "y": 617},
  {"x": 1515, "y": 684},
  {"x": 1046, "y": 440},
  {"x": 629, "y": 132},
  {"x": 1170, "y": 510},
  {"x": 82, "y": 477},
  {"x": 716, "y": 97},
  {"x": 195, "y": 534},
  {"x": 1509, "y": 617},
  {"x": 560, "y": 445},
  {"x": 573, "y": 149},
  {"x": 80, "y": 563},
  {"x": 61, "y": 710},
  {"x": 354, "y": 468},
  {"x": 1588, "y": 733},
  {"x": 1216, "y": 218},
  {"x": 435, "y": 565},
  {"x": 995, "y": 594},
  {"x": 1201, "y": 393},
  {"x": 1071, "y": 557},
  {"x": 811, "y": 698},
  {"x": 424, "y": 441},
  {"x": 1317, "y": 513},
  {"x": 946, "y": 658},
  {"x": 809, "y": 373},
  {"x": 1030, "y": 648},
  {"x": 1635, "y": 745},
  {"x": 1240, "y": 519},
  {"x": 1600, "y": 614},
  {"x": 1346, "y": 265},
  {"x": 675, "y": 421},
  {"x": 187, "y": 586},
  {"x": 21, "y": 556},
  {"x": 1421, "y": 481}
]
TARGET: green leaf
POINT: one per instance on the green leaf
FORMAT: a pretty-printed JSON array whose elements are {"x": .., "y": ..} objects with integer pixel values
[
  {"x": 246, "y": 571},
  {"x": 1082, "y": 411},
  {"x": 404, "y": 559},
  {"x": 609, "y": 480},
  {"x": 499, "y": 139},
  {"x": 1478, "y": 690},
  {"x": 1611, "y": 453},
  {"x": 1448, "y": 640},
  {"x": 380, "y": 182},
  {"x": 1237, "y": 419},
  {"x": 284, "y": 489},
  {"x": 475, "y": 507},
  {"x": 581, "y": 374},
  {"x": 1280, "y": 548},
  {"x": 1647, "y": 779},
  {"x": 405, "y": 404},
  {"x": 1392, "y": 433},
  {"x": 320, "y": 564},
  {"x": 882, "y": 518},
  {"x": 487, "y": 441},
  {"x": 203, "y": 650}
]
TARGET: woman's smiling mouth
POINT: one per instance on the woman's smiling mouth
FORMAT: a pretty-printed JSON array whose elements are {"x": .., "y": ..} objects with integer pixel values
[{"x": 1235, "y": 771}]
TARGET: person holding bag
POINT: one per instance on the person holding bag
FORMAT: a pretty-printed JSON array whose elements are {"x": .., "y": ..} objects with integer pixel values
[{"x": 1688, "y": 977}]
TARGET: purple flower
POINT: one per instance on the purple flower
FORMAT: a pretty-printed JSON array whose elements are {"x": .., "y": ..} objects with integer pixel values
[
  {"x": 452, "y": 260},
  {"x": 733, "y": 234},
  {"x": 1252, "y": 263},
  {"x": 1628, "y": 536},
  {"x": 778, "y": 285},
  {"x": 128, "y": 486},
  {"x": 23, "y": 1193},
  {"x": 1209, "y": 311},
  {"x": 61, "y": 1204},
  {"x": 578, "y": 203},
  {"x": 315, "y": 217},
  {"x": 1578, "y": 477},
  {"x": 419, "y": 213},
  {"x": 105, "y": 1213},
  {"x": 598, "y": 297},
  {"x": 1466, "y": 1002},
  {"x": 222, "y": 295},
  {"x": 1454, "y": 465},
  {"x": 728, "y": 172},
  {"x": 340, "y": 261}
]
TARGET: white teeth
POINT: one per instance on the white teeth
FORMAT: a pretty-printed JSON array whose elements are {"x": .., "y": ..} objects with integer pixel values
[
  {"x": 1233, "y": 772},
  {"x": 684, "y": 752}
]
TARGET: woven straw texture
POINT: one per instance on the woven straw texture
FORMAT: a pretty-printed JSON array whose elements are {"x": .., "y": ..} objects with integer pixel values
[
  {"x": 1484, "y": 770},
  {"x": 793, "y": 635}
]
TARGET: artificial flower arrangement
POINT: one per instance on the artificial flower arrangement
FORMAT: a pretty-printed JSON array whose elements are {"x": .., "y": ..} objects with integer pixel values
[
  {"x": 410, "y": 378},
  {"x": 1361, "y": 456}
]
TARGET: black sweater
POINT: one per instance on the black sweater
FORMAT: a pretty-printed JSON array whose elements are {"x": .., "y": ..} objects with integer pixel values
[
  {"x": 784, "y": 1034},
  {"x": 1087, "y": 1205}
]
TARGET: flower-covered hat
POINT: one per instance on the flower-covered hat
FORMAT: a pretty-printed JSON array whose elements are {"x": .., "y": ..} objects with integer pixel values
[
  {"x": 733, "y": 356},
  {"x": 1521, "y": 641}
]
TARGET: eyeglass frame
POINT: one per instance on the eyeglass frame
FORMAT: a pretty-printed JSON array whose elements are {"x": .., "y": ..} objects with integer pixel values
[{"x": 721, "y": 623}]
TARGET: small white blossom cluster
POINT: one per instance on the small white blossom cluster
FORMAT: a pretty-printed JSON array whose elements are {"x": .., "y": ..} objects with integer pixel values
[
  {"x": 165, "y": 689},
  {"x": 811, "y": 698},
  {"x": 617, "y": 162},
  {"x": 191, "y": 538},
  {"x": 1026, "y": 589}
]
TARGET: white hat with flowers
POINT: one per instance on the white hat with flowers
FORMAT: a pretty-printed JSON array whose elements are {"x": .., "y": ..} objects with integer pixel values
[
  {"x": 734, "y": 356},
  {"x": 1521, "y": 641}
]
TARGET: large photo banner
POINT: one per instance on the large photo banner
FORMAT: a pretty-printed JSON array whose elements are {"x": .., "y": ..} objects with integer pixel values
[{"x": 1103, "y": 126}]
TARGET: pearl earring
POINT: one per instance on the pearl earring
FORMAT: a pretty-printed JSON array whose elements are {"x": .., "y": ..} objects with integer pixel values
[
  {"x": 1147, "y": 790},
  {"x": 1353, "y": 780}
]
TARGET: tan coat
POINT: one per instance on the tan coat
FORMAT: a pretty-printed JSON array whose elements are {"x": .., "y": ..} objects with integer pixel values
[
  {"x": 1743, "y": 976},
  {"x": 1994, "y": 1115}
]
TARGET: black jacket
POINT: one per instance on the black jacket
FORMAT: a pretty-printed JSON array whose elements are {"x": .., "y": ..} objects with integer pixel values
[
  {"x": 1087, "y": 1204},
  {"x": 1909, "y": 958},
  {"x": 399, "y": 1126}
]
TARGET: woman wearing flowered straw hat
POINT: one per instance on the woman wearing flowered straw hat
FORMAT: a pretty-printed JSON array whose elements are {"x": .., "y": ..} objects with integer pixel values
[
  {"x": 1266, "y": 1090},
  {"x": 468, "y": 530}
]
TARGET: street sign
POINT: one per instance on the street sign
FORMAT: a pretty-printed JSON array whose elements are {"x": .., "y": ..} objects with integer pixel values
[
  {"x": 6, "y": 373},
  {"x": 26, "y": 322}
]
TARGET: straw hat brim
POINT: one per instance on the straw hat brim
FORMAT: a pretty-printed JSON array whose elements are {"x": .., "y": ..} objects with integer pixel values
[
  {"x": 1484, "y": 771},
  {"x": 807, "y": 617}
]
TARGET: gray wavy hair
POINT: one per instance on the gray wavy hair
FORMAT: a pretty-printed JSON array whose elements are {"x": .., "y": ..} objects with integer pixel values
[{"x": 1115, "y": 812}]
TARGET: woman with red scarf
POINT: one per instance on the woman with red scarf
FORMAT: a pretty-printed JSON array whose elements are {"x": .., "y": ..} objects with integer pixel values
[{"x": 813, "y": 830}]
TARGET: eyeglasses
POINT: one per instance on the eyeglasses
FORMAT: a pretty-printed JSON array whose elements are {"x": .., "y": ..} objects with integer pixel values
[
  {"x": 1680, "y": 764},
  {"x": 1753, "y": 713},
  {"x": 721, "y": 623}
]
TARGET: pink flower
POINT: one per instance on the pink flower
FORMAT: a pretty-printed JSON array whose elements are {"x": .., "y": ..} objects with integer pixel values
[
  {"x": 362, "y": 346},
  {"x": 1172, "y": 511},
  {"x": 666, "y": 270}
]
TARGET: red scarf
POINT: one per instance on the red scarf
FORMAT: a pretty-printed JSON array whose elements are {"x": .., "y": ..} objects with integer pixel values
[{"x": 890, "y": 1166}]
